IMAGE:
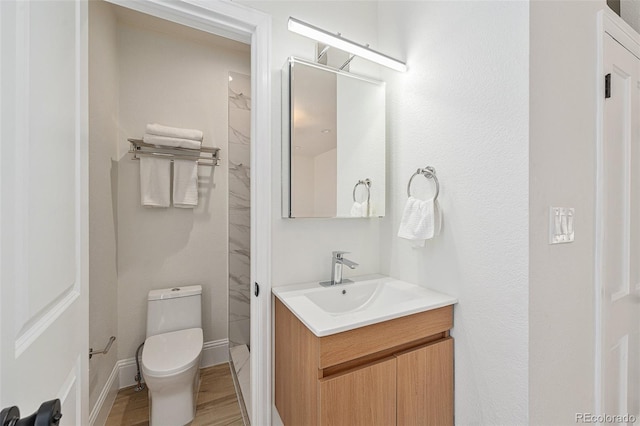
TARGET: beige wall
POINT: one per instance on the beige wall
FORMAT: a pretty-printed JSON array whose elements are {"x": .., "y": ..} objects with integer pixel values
[
  {"x": 630, "y": 12},
  {"x": 562, "y": 166},
  {"x": 183, "y": 82},
  {"x": 103, "y": 111}
]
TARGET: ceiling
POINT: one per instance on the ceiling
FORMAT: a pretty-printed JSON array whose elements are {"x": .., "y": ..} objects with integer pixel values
[{"x": 151, "y": 23}]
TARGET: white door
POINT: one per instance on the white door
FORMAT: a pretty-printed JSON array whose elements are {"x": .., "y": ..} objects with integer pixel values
[
  {"x": 43, "y": 206},
  {"x": 619, "y": 235}
]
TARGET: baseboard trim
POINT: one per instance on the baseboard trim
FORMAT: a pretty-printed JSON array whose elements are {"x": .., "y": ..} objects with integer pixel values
[
  {"x": 213, "y": 353},
  {"x": 101, "y": 409},
  {"x": 127, "y": 372}
]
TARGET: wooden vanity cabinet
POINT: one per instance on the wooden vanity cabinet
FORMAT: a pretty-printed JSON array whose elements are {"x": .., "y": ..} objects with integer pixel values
[
  {"x": 365, "y": 395},
  {"x": 398, "y": 372},
  {"x": 425, "y": 385}
]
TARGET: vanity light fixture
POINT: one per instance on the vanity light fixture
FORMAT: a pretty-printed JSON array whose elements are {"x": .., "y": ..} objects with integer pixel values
[{"x": 339, "y": 42}]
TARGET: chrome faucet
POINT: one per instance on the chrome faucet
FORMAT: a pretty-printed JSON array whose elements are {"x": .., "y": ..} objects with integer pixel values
[{"x": 337, "y": 260}]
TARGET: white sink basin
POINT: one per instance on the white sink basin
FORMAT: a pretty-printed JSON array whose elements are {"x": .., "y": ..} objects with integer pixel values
[
  {"x": 369, "y": 300},
  {"x": 368, "y": 294}
]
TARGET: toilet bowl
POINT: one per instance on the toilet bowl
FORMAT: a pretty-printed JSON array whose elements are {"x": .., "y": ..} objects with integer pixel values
[
  {"x": 171, "y": 354},
  {"x": 171, "y": 366}
]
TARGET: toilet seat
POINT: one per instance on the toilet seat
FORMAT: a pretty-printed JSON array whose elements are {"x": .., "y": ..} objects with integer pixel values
[{"x": 171, "y": 353}]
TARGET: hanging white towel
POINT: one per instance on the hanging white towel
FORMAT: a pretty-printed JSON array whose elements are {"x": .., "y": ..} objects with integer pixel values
[
  {"x": 185, "y": 184},
  {"x": 437, "y": 213},
  {"x": 174, "y": 132},
  {"x": 171, "y": 142},
  {"x": 360, "y": 209},
  {"x": 155, "y": 179},
  {"x": 356, "y": 210},
  {"x": 418, "y": 222}
]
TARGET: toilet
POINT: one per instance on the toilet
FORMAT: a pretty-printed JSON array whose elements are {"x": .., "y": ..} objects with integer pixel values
[{"x": 171, "y": 354}]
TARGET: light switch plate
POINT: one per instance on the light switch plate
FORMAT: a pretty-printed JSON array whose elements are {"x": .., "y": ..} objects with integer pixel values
[{"x": 561, "y": 225}]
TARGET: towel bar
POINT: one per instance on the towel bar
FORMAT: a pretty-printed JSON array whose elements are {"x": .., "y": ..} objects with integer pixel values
[
  {"x": 140, "y": 148},
  {"x": 428, "y": 172},
  {"x": 367, "y": 184}
]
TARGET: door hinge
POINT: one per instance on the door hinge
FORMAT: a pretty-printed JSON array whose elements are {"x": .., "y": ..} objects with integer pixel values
[
  {"x": 257, "y": 289},
  {"x": 607, "y": 86}
]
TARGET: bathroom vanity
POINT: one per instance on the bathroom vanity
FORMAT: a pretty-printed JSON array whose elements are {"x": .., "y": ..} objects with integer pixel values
[{"x": 375, "y": 352}]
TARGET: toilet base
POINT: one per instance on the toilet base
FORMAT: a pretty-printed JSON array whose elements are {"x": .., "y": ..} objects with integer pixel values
[{"x": 173, "y": 403}]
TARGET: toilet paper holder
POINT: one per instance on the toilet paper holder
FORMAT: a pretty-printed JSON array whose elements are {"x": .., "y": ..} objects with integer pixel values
[{"x": 105, "y": 350}]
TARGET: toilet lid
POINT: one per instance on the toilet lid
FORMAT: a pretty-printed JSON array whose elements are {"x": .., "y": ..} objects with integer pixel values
[{"x": 168, "y": 353}]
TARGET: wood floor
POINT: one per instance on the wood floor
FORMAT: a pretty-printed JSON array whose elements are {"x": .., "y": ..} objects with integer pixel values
[{"x": 217, "y": 402}]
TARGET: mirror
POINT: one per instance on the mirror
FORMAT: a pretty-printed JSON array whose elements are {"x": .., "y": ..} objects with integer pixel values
[{"x": 333, "y": 143}]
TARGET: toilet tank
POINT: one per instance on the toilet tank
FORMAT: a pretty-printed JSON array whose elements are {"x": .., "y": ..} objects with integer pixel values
[{"x": 173, "y": 309}]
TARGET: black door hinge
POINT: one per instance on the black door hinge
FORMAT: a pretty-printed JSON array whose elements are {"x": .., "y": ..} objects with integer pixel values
[
  {"x": 607, "y": 86},
  {"x": 257, "y": 289}
]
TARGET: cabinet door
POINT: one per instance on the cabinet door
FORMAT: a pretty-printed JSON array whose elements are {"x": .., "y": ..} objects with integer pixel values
[
  {"x": 425, "y": 385},
  {"x": 365, "y": 396}
]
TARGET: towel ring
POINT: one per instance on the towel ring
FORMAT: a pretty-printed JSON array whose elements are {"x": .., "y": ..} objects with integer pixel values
[
  {"x": 367, "y": 184},
  {"x": 428, "y": 172}
]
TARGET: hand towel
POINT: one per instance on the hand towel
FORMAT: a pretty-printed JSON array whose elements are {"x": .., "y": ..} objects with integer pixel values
[
  {"x": 360, "y": 209},
  {"x": 185, "y": 184},
  {"x": 171, "y": 142},
  {"x": 155, "y": 178},
  {"x": 356, "y": 209},
  {"x": 174, "y": 132},
  {"x": 437, "y": 212},
  {"x": 418, "y": 221}
]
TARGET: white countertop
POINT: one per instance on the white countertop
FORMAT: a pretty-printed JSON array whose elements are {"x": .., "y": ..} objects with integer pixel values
[{"x": 370, "y": 299}]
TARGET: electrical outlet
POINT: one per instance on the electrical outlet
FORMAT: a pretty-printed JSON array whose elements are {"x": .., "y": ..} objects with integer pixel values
[{"x": 561, "y": 225}]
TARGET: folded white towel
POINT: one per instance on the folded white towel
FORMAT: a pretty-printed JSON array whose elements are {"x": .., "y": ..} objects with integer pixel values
[
  {"x": 360, "y": 209},
  {"x": 185, "y": 184},
  {"x": 155, "y": 178},
  {"x": 418, "y": 221},
  {"x": 174, "y": 132},
  {"x": 170, "y": 142}
]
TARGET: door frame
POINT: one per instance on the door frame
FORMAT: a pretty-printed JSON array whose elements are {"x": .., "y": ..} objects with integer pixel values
[
  {"x": 608, "y": 23},
  {"x": 250, "y": 26}
]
